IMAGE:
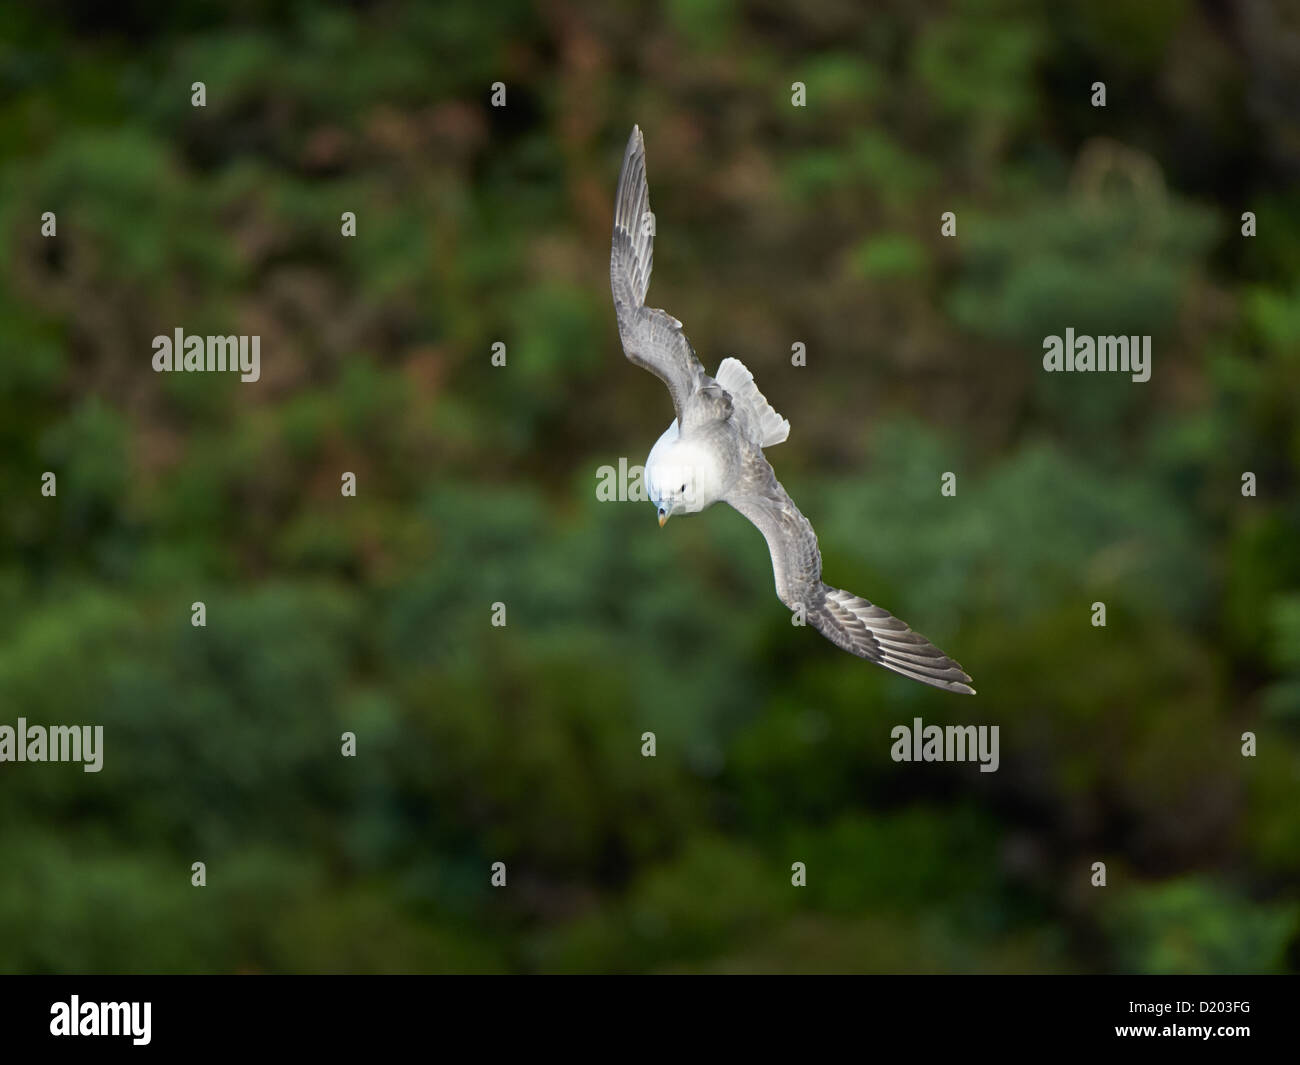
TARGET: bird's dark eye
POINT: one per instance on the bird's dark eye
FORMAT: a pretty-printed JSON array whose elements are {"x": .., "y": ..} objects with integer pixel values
[{"x": 683, "y": 488}]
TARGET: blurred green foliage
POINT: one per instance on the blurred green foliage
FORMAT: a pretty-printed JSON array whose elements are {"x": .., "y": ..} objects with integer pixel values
[{"x": 521, "y": 744}]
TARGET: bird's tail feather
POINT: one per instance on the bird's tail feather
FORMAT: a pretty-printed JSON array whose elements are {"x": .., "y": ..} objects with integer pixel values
[{"x": 768, "y": 426}]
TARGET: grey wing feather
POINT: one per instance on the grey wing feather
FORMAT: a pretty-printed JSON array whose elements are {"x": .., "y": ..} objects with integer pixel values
[
  {"x": 848, "y": 621},
  {"x": 652, "y": 339}
]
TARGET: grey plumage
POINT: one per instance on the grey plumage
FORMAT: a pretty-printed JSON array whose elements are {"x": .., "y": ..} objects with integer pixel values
[
  {"x": 715, "y": 449},
  {"x": 653, "y": 339}
]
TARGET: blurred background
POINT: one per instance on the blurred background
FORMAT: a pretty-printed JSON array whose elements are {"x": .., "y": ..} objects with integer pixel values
[{"x": 477, "y": 484}]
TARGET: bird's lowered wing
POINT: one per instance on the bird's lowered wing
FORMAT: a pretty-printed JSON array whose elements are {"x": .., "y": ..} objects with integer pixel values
[
  {"x": 653, "y": 339},
  {"x": 848, "y": 621}
]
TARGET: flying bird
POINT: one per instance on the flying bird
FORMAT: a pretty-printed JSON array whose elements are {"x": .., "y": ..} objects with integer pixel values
[{"x": 713, "y": 452}]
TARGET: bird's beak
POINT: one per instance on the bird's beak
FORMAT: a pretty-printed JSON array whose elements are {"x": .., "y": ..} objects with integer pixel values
[{"x": 663, "y": 517}]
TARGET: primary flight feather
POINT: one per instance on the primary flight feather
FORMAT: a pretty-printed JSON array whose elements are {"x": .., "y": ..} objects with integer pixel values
[{"x": 713, "y": 451}]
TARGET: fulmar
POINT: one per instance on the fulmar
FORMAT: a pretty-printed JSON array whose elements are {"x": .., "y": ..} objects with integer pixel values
[{"x": 713, "y": 451}]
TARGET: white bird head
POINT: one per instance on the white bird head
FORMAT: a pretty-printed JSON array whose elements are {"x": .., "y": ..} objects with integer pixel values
[{"x": 671, "y": 482}]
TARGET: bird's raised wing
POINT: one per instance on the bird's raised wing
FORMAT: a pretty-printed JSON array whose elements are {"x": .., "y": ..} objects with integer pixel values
[
  {"x": 653, "y": 339},
  {"x": 848, "y": 621}
]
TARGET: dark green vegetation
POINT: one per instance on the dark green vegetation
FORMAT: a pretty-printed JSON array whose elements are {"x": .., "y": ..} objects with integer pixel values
[{"x": 776, "y": 225}]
